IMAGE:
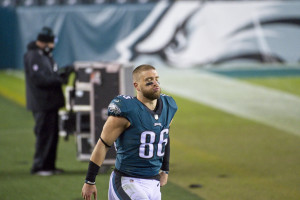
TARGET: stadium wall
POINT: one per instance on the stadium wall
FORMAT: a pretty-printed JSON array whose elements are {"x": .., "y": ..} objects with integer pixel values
[
  {"x": 182, "y": 34},
  {"x": 9, "y": 37}
]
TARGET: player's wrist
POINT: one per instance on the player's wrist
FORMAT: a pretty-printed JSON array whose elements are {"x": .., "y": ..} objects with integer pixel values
[
  {"x": 92, "y": 173},
  {"x": 166, "y": 172},
  {"x": 89, "y": 182}
]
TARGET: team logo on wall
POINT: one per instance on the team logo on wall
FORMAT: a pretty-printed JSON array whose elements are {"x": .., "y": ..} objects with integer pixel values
[{"x": 196, "y": 33}]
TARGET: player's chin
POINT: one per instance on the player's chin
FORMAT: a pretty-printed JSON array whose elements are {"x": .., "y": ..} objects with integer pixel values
[
  {"x": 153, "y": 96},
  {"x": 156, "y": 94}
]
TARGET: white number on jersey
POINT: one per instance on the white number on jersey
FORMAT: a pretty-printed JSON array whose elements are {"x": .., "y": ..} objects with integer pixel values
[{"x": 147, "y": 144}]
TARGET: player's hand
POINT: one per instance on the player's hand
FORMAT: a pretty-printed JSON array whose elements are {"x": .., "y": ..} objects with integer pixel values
[
  {"x": 88, "y": 191},
  {"x": 163, "y": 178}
]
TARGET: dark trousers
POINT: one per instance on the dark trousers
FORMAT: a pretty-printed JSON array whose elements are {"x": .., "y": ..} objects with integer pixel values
[{"x": 46, "y": 132}]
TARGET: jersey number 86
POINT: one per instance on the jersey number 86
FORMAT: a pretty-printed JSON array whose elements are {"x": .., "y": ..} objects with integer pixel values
[{"x": 147, "y": 144}]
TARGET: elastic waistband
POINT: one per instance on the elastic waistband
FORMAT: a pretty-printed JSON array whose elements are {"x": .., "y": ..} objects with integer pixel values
[{"x": 156, "y": 177}]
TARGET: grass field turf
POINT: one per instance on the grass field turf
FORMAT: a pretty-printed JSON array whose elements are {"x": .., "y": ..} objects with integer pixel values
[
  {"x": 231, "y": 157},
  {"x": 17, "y": 146},
  {"x": 286, "y": 84}
]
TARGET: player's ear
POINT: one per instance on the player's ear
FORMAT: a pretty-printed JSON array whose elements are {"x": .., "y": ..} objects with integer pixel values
[{"x": 136, "y": 86}]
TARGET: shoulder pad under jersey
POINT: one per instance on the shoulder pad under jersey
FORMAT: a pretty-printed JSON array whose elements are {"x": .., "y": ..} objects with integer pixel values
[
  {"x": 119, "y": 106},
  {"x": 170, "y": 100}
]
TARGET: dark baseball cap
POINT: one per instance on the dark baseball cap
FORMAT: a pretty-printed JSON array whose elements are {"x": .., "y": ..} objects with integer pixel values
[{"x": 46, "y": 35}]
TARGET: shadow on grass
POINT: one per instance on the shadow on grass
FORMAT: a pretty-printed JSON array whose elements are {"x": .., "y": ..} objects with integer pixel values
[{"x": 173, "y": 191}]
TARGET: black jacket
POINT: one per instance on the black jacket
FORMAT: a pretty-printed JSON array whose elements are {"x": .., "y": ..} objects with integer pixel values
[{"x": 43, "y": 84}]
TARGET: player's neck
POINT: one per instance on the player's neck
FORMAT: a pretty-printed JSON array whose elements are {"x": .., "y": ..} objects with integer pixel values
[{"x": 151, "y": 104}]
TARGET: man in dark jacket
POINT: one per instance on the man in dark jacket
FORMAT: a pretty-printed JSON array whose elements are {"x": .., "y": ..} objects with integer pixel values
[{"x": 44, "y": 97}]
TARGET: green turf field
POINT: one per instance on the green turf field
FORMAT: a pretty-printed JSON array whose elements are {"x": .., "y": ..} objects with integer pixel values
[
  {"x": 230, "y": 157},
  {"x": 286, "y": 84}
]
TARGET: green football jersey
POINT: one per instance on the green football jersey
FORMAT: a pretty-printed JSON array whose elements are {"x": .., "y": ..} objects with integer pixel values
[{"x": 140, "y": 148}]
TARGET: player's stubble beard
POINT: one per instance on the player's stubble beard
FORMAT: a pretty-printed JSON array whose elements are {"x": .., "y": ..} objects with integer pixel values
[{"x": 151, "y": 95}]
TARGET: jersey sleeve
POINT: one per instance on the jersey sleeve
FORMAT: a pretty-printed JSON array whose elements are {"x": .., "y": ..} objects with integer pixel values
[
  {"x": 118, "y": 107},
  {"x": 172, "y": 103},
  {"x": 172, "y": 107}
]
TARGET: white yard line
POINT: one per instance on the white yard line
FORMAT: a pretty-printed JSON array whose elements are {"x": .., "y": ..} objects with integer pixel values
[{"x": 268, "y": 106}]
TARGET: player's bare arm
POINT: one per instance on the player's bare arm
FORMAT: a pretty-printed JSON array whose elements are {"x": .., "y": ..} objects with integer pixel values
[{"x": 112, "y": 129}]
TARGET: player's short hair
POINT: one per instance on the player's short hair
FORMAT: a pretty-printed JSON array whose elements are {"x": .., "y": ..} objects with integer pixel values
[{"x": 140, "y": 69}]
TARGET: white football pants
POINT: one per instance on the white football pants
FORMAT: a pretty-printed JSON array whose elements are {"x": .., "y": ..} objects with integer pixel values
[{"x": 127, "y": 188}]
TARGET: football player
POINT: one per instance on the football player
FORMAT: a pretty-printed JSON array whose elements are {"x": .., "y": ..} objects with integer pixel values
[{"x": 139, "y": 126}]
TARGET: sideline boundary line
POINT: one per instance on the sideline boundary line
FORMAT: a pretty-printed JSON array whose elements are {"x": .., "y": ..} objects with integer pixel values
[{"x": 268, "y": 106}]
